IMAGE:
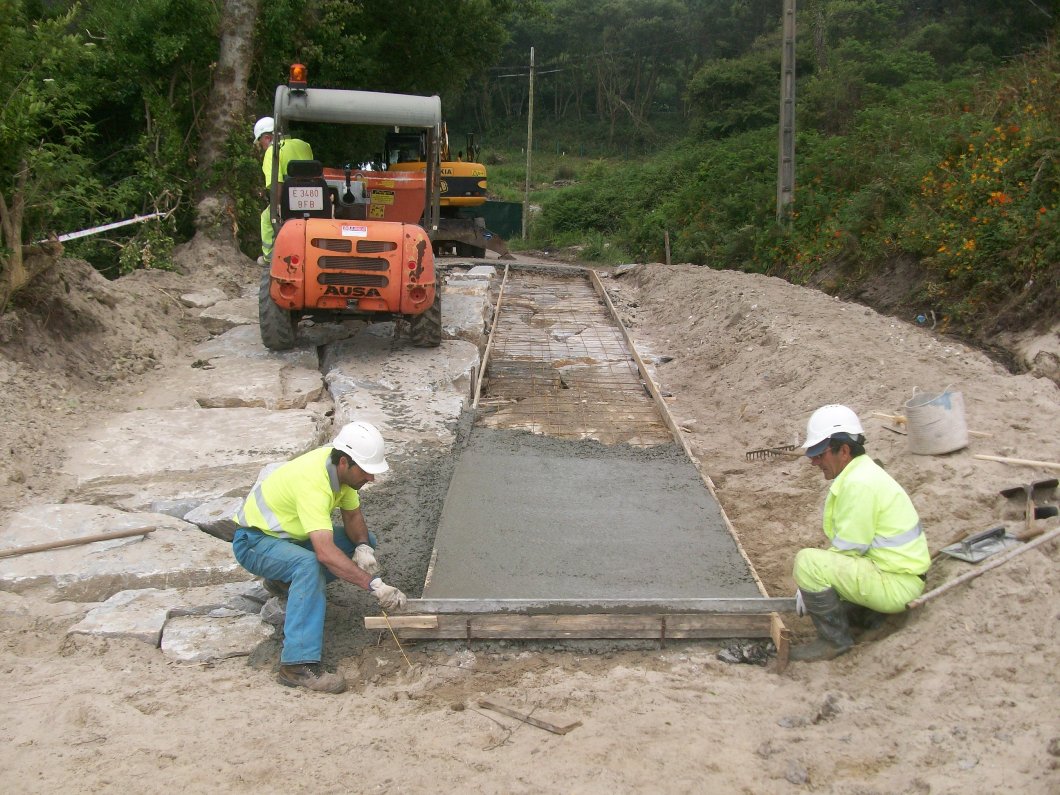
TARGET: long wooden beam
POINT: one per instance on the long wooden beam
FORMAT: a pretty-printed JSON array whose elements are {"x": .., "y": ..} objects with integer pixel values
[
  {"x": 488, "y": 626},
  {"x": 724, "y": 606}
]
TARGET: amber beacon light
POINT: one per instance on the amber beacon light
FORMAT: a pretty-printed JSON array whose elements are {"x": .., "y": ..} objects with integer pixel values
[{"x": 296, "y": 79}]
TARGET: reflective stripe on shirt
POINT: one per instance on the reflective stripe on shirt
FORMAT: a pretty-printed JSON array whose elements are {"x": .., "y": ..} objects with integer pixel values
[
  {"x": 270, "y": 518},
  {"x": 880, "y": 541}
]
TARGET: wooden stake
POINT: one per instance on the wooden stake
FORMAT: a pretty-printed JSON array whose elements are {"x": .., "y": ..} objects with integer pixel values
[
  {"x": 1023, "y": 461},
  {"x": 541, "y": 724},
  {"x": 70, "y": 542}
]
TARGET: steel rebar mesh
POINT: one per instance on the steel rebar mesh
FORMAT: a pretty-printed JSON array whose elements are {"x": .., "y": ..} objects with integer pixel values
[{"x": 560, "y": 366}]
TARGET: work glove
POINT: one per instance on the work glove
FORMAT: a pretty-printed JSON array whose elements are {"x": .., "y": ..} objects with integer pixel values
[
  {"x": 390, "y": 598},
  {"x": 364, "y": 557},
  {"x": 800, "y": 605}
]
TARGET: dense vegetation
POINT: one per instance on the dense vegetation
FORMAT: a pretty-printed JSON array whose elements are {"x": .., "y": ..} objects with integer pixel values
[
  {"x": 103, "y": 104},
  {"x": 927, "y": 144},
  {"x": 927, "y": 131}
]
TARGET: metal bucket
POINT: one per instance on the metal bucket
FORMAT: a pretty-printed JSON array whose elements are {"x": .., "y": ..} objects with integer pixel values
[{"x": 935, "y": 422}]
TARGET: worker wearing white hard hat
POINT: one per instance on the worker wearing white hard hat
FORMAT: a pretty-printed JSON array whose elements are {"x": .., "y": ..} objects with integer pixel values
[
  {"x": 286, "y": 536},
  {"x": 290, "y": 149},
  {"x": 877, "y": 555}
]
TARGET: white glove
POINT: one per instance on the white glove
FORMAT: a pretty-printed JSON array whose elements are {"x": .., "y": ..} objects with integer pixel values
[
  {"x": 364, "y": 557},
  {"x": 800, "y": 605},
  {"x": 390, "y": 598}
]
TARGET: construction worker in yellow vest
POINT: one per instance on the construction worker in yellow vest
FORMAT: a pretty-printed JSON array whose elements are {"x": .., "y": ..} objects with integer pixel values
[
  {"x": 290, "y": 149},
  {"x": 287, "y": 537},
  {"x": 878, "y": 554}
]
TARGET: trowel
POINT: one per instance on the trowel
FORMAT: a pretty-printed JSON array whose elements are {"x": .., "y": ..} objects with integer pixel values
[{"x": 982, "y": 545}]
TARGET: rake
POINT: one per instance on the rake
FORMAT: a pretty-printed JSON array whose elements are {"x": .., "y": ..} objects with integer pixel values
[{"x": 779, "y": 451}]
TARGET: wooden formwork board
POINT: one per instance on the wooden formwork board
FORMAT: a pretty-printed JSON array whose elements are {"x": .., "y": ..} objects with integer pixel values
[{"x": 498, "y": 626}]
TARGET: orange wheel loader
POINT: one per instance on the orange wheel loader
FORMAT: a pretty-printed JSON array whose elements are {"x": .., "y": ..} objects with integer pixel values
[{"x": 351, "y": 242}]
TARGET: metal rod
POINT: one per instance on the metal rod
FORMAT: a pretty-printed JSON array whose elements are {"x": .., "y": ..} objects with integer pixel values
[
  {"x": 95, "y": 230},
  {"x": 71, "y": 542}
]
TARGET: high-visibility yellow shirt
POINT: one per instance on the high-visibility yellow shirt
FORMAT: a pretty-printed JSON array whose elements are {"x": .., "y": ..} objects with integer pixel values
[
  {"x": 290, "y": 149},
  {"x": 298, "y": 498},
  {"x": 868, "y": 513}
]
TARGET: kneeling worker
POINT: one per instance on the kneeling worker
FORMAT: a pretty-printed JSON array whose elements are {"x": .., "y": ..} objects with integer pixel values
[
  {"x": 878, "y": 555},
  {"x": 287, "y": 537}
]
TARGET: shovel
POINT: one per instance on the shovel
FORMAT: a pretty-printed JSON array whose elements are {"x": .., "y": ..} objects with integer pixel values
[{"x": 1030, "y": 491}]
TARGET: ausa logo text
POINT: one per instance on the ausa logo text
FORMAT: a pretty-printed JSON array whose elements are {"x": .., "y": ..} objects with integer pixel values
[{"x": 352, "y": 292}]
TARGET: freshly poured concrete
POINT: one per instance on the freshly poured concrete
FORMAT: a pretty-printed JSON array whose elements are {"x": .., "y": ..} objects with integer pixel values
[{"x": 532, "y": 517}]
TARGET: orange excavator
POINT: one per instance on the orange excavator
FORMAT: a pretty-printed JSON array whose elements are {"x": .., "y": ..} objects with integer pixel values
[{"x": 462, "y": 187}]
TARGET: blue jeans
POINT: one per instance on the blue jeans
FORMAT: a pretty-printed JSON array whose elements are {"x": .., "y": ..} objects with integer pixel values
[{"x": 294, "y": 562}]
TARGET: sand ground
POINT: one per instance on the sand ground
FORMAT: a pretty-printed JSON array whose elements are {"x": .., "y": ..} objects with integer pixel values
[{"x": 960, "y": 696}]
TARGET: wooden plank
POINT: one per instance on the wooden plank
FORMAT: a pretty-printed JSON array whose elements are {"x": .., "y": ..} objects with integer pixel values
[
  {"x": 780, "y": 632},
  {"x": 401, "y": 622},
  {"x": 541, "y": 724},
  {"x": 589, "y": 626},
  {"x": 752, "y": 604},
  {"x": 489, "y": 341},
  {"x": 781, "y": 636}
]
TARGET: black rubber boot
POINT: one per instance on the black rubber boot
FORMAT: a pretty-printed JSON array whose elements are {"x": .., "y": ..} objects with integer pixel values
[
  {"x": 829, "y": 616},
  {"x": 861, "y": 617}
]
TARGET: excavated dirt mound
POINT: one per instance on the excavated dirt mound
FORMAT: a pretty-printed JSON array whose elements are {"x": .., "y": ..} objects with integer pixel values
[{"x": 962, "y": 698}]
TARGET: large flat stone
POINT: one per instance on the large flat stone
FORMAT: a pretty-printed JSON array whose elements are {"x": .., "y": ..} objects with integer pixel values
[
  {"x": 233, "y": 312},
  {"x": 244, "y": 342},
  {"x": 484, "y": 273},
  {"x": 142, "y": 614},
  {"x": 176, "y": 555},
  {"x": 206, "y": 638},
  {"x": 204, "y": 299},
  {"x": 235, "y": 382},
  {"x": 140, "y": 457},
  {"x": 464, "y": 317},
  {"x": 413, "y": 395}
]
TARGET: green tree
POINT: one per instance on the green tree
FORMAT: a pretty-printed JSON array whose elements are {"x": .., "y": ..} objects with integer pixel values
[{"x": 45, "y": 178}]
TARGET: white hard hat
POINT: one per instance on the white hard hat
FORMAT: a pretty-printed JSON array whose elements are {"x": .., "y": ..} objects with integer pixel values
[
  {"x": 825, "y": 423},
  {"x": 262, "y": 126},
  {"x": 364, "y": 444}
]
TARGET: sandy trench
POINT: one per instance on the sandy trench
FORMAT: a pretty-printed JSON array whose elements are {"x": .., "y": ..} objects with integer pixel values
[{"x": 962, "y": 698}]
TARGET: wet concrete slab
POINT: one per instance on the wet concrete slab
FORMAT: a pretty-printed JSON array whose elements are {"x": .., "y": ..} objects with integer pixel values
[{"x": 532, "y": 517}]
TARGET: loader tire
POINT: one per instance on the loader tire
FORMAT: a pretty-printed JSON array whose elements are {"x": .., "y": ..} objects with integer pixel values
[
  {"x": 278, "y": 326},
  {"x": 425, "y": 331}
]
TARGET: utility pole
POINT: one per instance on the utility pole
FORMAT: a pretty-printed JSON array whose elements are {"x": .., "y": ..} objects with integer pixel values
[
  {"x": 529, "y": 145},
  {"x": 786, "y": 158}
]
